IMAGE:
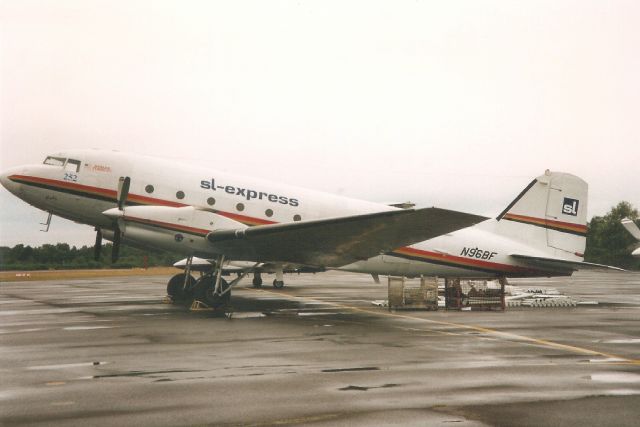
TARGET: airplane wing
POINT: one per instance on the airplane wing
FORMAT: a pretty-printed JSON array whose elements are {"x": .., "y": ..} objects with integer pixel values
[
  {"x": 561, "y": 264},
  {"x": 631, "y": 227},
  {"x": 201, "y": 264},
  {"x": 335, "y": 242}
]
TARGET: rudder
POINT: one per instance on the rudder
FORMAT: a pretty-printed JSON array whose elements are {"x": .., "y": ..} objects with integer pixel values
[{"x": 550, "y": 214}]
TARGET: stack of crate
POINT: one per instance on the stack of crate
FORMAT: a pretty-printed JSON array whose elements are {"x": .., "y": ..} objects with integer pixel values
[
  {"x": 474, "y": 294},
  {"x": 406, "y": 294}
]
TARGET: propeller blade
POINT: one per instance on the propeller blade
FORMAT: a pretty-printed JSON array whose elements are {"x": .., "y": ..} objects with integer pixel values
[
  {"x": 123, "y": 190},
  {"x": 115, "y": 250},
  {"x": 97, "y": 248}
]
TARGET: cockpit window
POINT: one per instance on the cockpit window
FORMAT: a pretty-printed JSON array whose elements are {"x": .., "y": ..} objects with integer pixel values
[
  {"x": 72, "y": 166},
  {"x": 54, "y": 161}
]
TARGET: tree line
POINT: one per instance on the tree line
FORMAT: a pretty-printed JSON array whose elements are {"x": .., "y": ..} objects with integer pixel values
[
  {"x": 607, "y": 243},
  {"x": 61, "y": 256}
]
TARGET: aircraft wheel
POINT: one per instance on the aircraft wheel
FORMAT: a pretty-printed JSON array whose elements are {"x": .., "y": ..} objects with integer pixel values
[
  {"x": 175, "y": 287},
  {"x": 257, "y": 282},
  {"x": 204, "y": 288},
  {"x": 278, "y": 284}
]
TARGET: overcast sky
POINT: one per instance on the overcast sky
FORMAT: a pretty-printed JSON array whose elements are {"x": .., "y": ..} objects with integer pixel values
[{"x": 457, "y": 104}]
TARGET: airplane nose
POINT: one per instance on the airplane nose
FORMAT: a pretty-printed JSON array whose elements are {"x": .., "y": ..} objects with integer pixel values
[{"x": 5, "y": 179}]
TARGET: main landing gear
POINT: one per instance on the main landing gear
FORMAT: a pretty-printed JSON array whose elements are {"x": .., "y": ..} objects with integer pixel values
[
  {"x": 257, "y": 280},
  {"x": 209, "y": 291},
  {"x": 278, "y": 283},
  {"x": 180, "y": 287}
]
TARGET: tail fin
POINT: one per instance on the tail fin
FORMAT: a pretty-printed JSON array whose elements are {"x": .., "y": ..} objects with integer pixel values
[{"x": 550, "y": 214}]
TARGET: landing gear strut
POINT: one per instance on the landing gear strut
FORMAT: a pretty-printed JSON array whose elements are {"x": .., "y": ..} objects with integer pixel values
[
  {"x": 210, "y": 291},
  {"x": 257, "y": 280},
  {"x": 278, "y": 283},
  {"x": 204, "y": 291},
  {"x": 180, "y": 286}
]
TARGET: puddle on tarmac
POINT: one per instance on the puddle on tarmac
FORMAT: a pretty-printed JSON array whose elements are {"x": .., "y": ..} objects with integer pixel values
[
  {"x": 316, "y": 313},
  {"x": 86, "y": 328},
  {"x": 368, "y": 368},
  {"x": 64, "y": 366},
  {"x": 248, "y": 315},
  {"x": 608, "y": 360},
  {"x": 362, "y": 388},
  {"x": 621, "y": 392},
  {"x": 624, "y": 341},
  {"x": 615, "y": 377},
  {"x": 144, "y": 373}
]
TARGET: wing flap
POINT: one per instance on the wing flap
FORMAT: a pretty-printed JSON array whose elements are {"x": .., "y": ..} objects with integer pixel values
[
  {"x": 562, "y": 264},
  {"x": 338, "y": 241}
]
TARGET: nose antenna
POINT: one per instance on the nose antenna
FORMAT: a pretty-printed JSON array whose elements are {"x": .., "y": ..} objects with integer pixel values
[{"x": 47, "y": 223}]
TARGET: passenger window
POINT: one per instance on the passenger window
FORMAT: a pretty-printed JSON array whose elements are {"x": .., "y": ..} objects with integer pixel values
[
  {"x": 72, "y": 166},
  {"x": 54, "y": 161}
]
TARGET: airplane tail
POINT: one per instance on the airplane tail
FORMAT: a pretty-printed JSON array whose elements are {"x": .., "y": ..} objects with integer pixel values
[{"x": 550, "y": 214}]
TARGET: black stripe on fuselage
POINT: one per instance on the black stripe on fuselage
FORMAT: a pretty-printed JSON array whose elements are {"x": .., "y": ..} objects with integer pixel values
[{"x": 522, "y": 193}]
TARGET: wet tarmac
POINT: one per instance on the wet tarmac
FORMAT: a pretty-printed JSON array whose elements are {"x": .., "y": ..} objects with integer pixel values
[{"x": 108, "y": 352}]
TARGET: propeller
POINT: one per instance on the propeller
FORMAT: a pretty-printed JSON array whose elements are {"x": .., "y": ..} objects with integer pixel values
[
  {"x": 115, "y": 250},
  {"x": 123, "y": 191},
  {"x": 97, "y": 248}
]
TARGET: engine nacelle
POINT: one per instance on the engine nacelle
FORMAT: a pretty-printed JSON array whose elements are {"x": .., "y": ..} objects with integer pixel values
[{"x": 177, "y": 229}]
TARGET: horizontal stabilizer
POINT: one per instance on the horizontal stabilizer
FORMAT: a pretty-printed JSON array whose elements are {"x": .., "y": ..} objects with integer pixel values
[
  {"x": 562, "y": 264},
  {"x": 335, "y": 242},
  {"x": 631, "y": 227}
]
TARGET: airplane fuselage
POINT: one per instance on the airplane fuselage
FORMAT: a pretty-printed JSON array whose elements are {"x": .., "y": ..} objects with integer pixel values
[{"x": 84, "y": 186}]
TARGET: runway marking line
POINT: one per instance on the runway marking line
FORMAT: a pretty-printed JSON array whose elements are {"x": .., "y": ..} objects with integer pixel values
[{"x": 488, "y": 331}]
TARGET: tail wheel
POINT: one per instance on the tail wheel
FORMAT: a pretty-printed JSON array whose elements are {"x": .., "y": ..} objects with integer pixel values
[
  {"x": 204, "y": 291},
  {"x": 175, "y": 287}
]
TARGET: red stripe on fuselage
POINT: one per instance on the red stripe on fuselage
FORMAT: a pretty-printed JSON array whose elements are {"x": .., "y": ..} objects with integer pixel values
[
  {"x": 65, "y": 185},
  {"x": 550, "y": 222},
  {"x": 461, "y": 261}
]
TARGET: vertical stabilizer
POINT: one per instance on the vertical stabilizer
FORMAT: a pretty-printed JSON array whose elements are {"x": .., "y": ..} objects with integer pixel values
[{"x": 550, "y": 214}]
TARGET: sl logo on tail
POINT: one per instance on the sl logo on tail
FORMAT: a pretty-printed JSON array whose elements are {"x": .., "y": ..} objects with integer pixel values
[{"x": 570, "y": 206}]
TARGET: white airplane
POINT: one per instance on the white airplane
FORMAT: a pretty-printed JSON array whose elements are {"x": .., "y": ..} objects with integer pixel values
[
  {"x": 264, "y": 227},
  {"x": 633, "y": 229}
]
